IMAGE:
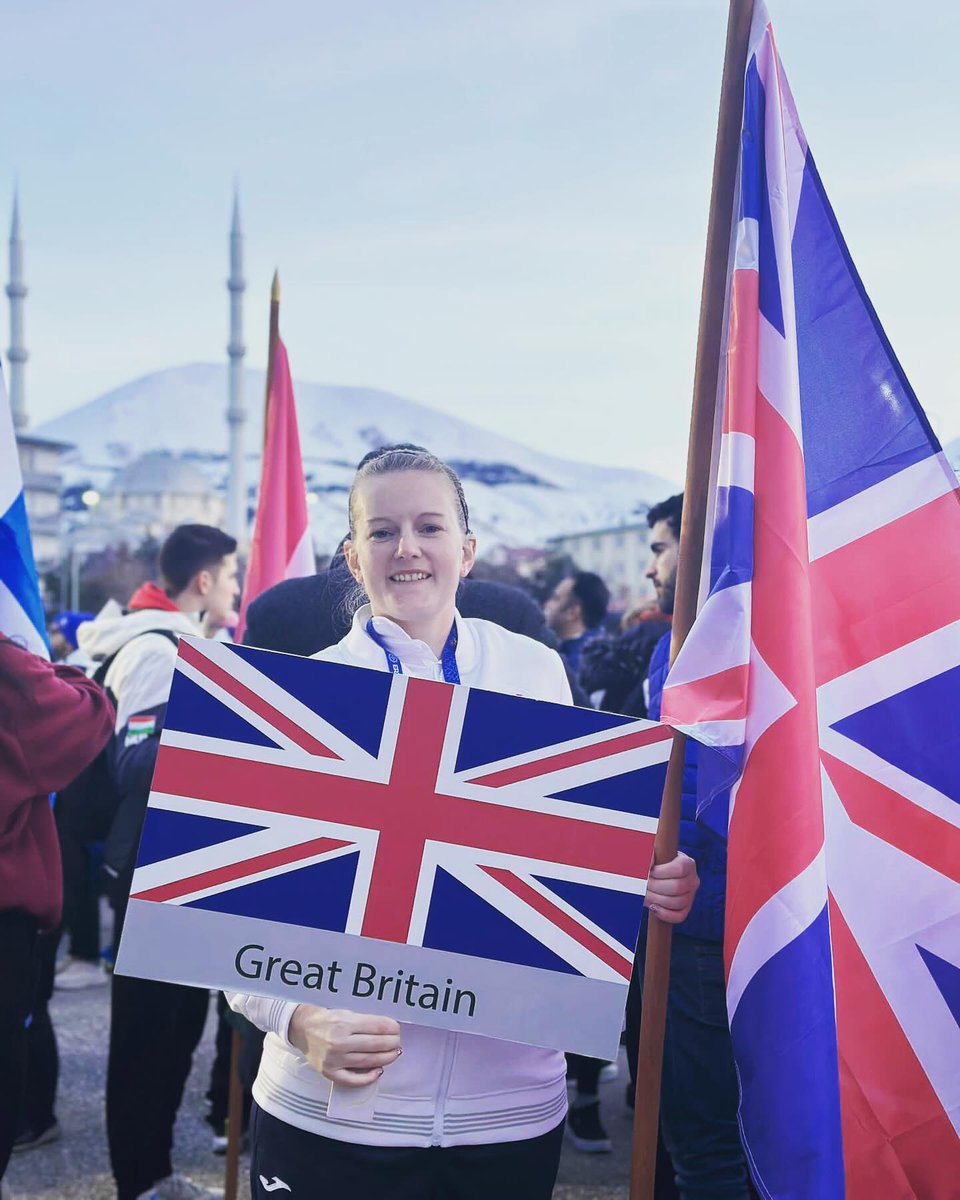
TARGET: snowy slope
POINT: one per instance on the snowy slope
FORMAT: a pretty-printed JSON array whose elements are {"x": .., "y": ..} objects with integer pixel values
[{"x": 517, "y": 495}]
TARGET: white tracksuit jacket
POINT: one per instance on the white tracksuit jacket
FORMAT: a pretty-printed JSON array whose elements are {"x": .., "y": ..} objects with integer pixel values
[{"x": 446, "y": 1089}]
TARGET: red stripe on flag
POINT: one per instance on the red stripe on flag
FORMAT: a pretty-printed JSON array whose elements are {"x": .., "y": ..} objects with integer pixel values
[
  {"x": 719, "y": 697},
  {"x": 897, "y": 1139},
  {"x": 739, "y": 409},
  {"x": 887, "y": 588},
  {"x": 774, "y": 835},
  {"x": 573, "y": 758},
  {"x": 412, "y": 796},
  {"x": 233, "y": 687},
  {"x": 378, "y": 806},
  {"x": 240, "y": 870},
  {"x": 557, "y": 916},
  {"x": 776, "y": 828},
  {"x": 896, "y": 820}
]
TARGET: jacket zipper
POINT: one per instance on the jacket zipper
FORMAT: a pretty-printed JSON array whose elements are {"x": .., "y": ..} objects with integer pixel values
[
  {"x": 439, "y": 1109},
  {"x": 449, "y": 1040}
]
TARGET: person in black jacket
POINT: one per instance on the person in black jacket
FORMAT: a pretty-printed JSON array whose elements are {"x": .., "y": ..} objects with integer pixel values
[{"x": 617, "y": 666}]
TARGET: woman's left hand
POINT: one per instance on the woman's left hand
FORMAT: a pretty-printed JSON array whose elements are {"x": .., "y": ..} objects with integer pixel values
[{"x": 671, "y": 888}]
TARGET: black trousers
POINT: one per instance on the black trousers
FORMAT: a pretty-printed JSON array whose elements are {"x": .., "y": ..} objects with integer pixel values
[
  {"x": 18, "y": 935},
  {"x": 43, "y": 1060},
  {"x": 319, "y": 1168},
  {"x": 154, "y": 1030},
  {"x": 81, "y": 891},
  {"x": 251, "y": 1044},
  {"x": 699, "y": 1090},
  {"x": 586, "y": 1073}
]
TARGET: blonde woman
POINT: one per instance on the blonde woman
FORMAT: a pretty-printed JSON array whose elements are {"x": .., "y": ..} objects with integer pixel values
[{"x": 456, "y": 1116}]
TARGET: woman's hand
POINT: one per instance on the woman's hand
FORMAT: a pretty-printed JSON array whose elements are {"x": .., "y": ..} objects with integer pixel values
[
  {"x": 348, "y": 1048},
  {"x": 671, "y": 888}
]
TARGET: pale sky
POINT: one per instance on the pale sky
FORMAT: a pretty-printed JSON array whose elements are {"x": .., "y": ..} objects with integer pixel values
[{"x": 495, "y": 207}]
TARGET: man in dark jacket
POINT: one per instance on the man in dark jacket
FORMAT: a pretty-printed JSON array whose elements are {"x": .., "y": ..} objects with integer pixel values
[
  {"x": 575, "y": 611},
  {"x": 699, "y": 1093},
  {"x": 617, "y": 667}
]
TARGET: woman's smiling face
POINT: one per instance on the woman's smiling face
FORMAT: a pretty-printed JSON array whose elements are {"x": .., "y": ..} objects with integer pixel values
[{"x": 408, "y": 549}]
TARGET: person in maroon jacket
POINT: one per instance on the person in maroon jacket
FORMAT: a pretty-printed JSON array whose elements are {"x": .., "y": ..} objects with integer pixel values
[{"x": 53, "y": 722}]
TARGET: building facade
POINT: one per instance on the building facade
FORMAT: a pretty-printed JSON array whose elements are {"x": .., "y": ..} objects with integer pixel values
[
  {"x": 618, "y": 554},
  {"x": 42, "y": 484}
]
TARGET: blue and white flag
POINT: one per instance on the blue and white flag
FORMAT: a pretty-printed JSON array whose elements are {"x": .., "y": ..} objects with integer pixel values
[{"x": 21, "y": 612}]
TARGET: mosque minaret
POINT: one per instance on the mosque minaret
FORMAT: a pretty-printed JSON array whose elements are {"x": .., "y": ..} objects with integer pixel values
[
  {"x": 17, "y": 353},
  {"x": 236, "y": 415}
]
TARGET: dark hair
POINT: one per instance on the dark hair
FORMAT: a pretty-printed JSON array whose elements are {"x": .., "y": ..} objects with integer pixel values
[
  {"x": 406, "y": 457},
  {"x": 593, "y": 597},
  {"x": 190, "y": 549},
  {"x": 670, "y": 511}
]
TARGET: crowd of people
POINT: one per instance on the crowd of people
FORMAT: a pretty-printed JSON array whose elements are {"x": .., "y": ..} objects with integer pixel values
[{"x": 457, "y": 1115}]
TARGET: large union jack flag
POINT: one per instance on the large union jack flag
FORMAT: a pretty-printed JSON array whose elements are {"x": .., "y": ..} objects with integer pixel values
[
  {"x": 824, "y": 670},
  {"x": 322, "y": 795}
]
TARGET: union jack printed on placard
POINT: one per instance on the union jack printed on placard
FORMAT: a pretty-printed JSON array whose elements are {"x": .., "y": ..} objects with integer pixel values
[
  {"x": 824, "y": 671},
  {"x": 312, "y": 793}
]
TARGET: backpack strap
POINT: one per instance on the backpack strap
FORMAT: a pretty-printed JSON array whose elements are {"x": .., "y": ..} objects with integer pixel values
[{"x": 100, "y": 674}]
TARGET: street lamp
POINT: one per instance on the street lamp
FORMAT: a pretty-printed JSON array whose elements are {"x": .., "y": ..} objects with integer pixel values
[
  {"x": 90, "y": 497},
  {"x": 75, "y": 550}
]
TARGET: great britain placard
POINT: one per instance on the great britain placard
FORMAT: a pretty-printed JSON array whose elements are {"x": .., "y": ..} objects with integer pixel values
[{"x": 355, "y": 839}]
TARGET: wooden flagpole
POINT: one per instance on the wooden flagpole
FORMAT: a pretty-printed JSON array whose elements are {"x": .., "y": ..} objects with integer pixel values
[
  {"x": 271, "y": 346},
  {"x": 705, "y": 383},
  {"x": 235, "y": 1092},
  {"x": 234, "y": 1119}
]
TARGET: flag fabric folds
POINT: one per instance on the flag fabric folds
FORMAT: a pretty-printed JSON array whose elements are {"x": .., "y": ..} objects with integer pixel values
[
  {"x": 281, "y": 547},
  {"x": 21, "y": 612},
  {"x": 823, "y": 672}
]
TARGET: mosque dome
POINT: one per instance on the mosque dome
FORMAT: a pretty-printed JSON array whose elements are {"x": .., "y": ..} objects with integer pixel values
[{"x": 159, "y": 473}]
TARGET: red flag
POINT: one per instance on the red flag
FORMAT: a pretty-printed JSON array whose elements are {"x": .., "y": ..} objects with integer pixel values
[{"x": 281, "y": 547}]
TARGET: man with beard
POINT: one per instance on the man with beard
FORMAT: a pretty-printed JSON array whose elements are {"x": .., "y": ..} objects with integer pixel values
[{"x": 699, "y": 1093}]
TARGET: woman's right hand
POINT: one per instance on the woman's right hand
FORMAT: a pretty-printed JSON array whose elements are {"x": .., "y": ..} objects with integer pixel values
[{"x": 348, "y": 1048}]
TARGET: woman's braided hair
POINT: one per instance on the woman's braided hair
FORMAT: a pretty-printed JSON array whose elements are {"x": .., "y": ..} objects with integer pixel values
[{"x": 406, "y": 457}]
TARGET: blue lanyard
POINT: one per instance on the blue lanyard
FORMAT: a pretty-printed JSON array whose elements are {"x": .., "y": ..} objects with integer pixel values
[{"x": 448, "y": 659}]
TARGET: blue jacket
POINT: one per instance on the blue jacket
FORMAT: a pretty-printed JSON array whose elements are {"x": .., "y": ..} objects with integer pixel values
[
  {"x": 571, "y": 649},
  {"x": 707, "y": 849}
]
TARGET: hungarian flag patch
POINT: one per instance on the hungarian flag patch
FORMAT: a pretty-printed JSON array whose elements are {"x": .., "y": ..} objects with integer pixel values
[{"x": 138, "y": 729}]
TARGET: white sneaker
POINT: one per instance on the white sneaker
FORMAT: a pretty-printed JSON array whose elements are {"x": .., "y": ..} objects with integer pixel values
[
  {"x": 178, "y": 1187},
  {"x": 80, "y": 974},
  {"x": 609, "y": 1072}
]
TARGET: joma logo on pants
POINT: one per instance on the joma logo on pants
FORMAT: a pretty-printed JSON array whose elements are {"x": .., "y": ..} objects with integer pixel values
[{"x": 275, "y": 1185}]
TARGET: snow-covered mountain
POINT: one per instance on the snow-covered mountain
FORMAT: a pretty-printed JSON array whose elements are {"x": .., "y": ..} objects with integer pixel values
[{"x": 517, "y": 495}]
